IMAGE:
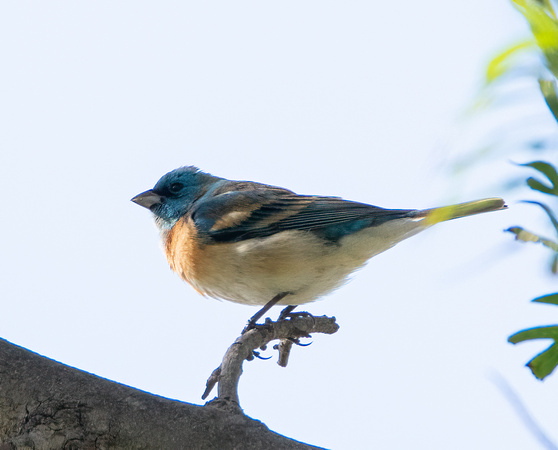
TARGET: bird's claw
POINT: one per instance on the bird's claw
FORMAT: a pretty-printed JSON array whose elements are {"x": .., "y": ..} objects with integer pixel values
[
  {"x": 256, "y": 354},
  {"x": 296, "y": 341},
  {"x": 288, "y": 314}
]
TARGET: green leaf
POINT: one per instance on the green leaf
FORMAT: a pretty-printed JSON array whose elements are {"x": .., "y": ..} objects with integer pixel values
[
  {"x": 526, "y": 236},
  {"x": 547, "y": 5},
  {"x": 551, "y": 299},
  {"x": 548, "y": 89},
  {"x": 538, "y": 186},
  {"x": 545, "y": 362},
  {"x": 549, "y": 171},
  {"x": 544, "y": 26},
  {"x": 501, "y": 63},
  {"x": 548, "y": 211}
]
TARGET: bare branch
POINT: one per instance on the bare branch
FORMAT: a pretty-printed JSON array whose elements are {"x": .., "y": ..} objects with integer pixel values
[{"x": 227, "y": 375}]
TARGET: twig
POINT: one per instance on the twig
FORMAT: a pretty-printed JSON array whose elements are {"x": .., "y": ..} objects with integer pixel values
[
  {"x": 227, "y": 375},
  {"x": 284, "y": 348}
]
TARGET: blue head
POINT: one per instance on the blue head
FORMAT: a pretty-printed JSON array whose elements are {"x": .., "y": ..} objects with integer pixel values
[{"x": 174, "y": 194}]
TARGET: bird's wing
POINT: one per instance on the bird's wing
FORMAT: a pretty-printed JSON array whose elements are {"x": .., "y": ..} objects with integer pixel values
[{"x": 261, "y": 211}]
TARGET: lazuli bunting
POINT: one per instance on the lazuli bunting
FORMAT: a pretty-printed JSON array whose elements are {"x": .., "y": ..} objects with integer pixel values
[{"x": 257, "y": 244}]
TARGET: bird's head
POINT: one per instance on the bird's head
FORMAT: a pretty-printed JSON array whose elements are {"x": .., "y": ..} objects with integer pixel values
[{"x": 174, "y": 194}]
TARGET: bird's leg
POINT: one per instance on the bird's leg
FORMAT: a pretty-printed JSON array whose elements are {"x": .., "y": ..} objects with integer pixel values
[
  {"x": 252, "y": 322},
  {"x": 286, "y": 312}
]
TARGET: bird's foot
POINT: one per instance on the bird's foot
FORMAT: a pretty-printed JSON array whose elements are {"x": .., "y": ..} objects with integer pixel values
[
  {"x": 252, "y": 325},
  {"x": 257, "y": 354},
  {"x": 296, "y": 341},
  {"x": 288, "y": 313}
]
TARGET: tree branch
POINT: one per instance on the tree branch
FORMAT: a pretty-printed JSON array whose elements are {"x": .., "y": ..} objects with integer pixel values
[
  {"x": 288, "y": 331},
  {"x": 46, "y": 405}
]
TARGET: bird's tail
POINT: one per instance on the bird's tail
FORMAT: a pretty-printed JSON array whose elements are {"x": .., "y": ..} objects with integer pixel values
[{"x": 436, "y": 215}]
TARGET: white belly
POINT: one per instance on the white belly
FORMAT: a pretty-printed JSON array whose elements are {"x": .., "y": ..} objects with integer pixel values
[{"x": 298, "y": 262}]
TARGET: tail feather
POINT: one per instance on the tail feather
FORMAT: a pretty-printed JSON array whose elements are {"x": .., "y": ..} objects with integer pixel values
[{"x": 436, "y": 215}]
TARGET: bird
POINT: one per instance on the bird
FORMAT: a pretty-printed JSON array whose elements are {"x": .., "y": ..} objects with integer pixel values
[{"x": 257, "y": 244}]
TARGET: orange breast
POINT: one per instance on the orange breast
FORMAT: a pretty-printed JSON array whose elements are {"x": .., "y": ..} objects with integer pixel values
[{"x": 184, "y": 252}]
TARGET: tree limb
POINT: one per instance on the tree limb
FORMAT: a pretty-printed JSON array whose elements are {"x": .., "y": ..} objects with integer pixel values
[
  {"x": 288, "y": 331},
  {"x": 46, "y": 405}
]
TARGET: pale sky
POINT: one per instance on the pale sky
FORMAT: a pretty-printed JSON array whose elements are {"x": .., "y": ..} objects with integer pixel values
[{"x": 358, "y": 99}]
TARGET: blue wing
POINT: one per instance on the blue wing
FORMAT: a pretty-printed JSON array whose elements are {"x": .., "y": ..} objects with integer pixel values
[{"x": 251, "y": 210}]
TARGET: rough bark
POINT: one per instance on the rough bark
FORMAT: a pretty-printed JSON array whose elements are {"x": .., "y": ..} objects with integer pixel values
[{"x": 46, "y": 405}]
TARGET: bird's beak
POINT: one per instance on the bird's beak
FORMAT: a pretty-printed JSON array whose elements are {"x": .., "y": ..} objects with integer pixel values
[{"x": 147, "y": 199}]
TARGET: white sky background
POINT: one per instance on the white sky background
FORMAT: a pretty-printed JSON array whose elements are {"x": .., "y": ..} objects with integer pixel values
[{"x": 358, "y": 99}]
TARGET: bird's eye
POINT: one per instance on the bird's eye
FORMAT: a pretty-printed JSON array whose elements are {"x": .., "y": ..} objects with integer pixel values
[{"x": 176, "y": 187}]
